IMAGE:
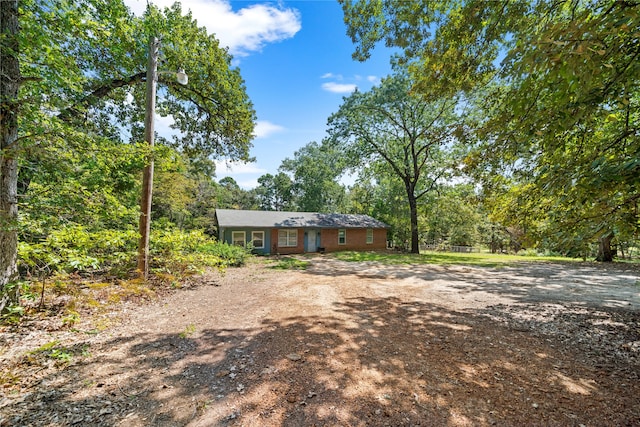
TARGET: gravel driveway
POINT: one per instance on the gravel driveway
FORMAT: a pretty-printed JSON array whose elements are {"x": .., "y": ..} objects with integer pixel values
[{"x": 353, "y": 344}]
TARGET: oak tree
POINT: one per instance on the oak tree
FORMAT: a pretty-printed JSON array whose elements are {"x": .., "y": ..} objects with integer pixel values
[
  {"x": 409, "y": 134},
  {"x": 73, "y": 74},
  {"x": 560, "y": 80}
]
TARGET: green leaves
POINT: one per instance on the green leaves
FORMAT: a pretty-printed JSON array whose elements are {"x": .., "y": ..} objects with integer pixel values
[
  {"x": 79, "y": 119},
  {"x": 315, "y": 169},
  {"x": 555, "y": 89},
  {"x": 407, "y": 137},
  {"x": 89, "y": 57},
  {"x": 74, "y": 248}
]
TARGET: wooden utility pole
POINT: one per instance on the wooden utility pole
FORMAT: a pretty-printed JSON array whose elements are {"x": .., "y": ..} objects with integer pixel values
[{"x": 147, "y": 177}]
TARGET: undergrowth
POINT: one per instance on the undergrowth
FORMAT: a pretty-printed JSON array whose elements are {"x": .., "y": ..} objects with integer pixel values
[{"x": 74, "y": 270}]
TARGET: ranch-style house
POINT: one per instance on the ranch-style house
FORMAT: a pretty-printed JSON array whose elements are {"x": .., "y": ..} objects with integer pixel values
[{"x": 275, "y": 232}]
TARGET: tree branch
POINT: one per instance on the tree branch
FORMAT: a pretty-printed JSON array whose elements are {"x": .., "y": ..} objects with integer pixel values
[{"x": 99, "y": 93}]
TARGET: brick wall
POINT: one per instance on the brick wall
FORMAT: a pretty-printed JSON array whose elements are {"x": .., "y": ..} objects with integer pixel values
[
  {"x": 356, "y": 240},
  {"x": 298, "y": 249}
]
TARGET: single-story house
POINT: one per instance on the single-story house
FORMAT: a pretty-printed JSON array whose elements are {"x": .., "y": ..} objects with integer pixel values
[{"x": 274, "y": 232}]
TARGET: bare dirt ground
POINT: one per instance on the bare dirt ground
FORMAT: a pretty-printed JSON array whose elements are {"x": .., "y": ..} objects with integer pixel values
[{"x": 347, "y": 344}]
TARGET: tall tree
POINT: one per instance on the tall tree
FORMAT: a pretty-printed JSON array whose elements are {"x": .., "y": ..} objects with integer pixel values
[
  {"x": 232, "y": 196},
  {"x": 567, "y": 98},
  {"x": 10, "y": 80},
  {"x": 316, "y": 169},
  {"x": 380, "y": 194},
  {"x": 275, "y": 193},
  {"x": 409, "y": 134},
  {"x": 72, "y": 72}
]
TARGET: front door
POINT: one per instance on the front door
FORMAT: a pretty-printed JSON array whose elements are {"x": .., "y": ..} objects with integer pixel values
[{"x": 312, "y": 245}]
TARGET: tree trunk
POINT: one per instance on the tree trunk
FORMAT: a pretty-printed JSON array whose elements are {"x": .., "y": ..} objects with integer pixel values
[
  {"x": 605, "y": 254},
  {"x": 9, "y": 85},
  {"x": 413, "y": 207}
]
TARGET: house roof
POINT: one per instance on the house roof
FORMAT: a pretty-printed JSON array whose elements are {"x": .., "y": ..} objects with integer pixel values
[{"x": 278, "y": 219}]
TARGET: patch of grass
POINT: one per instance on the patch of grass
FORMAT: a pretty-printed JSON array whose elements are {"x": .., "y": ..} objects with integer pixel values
[
  {"x": 71, "y": 318},
  {"x": 51, "y": 350},
  {"x": 127, "y": 290},
  {"x": 54, "y": 350},
  {"x": 104, "y": 323},
  {"x": 479, "y": 259},
  {"x": 98, "y": 285},
  {"x": 188, "y": 331},
  {"x": 13, "y": 315},
  {"x": 290, "y": 263}
]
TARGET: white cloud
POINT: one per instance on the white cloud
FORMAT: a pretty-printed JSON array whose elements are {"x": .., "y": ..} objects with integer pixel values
[
  {"x": 162, "y": 126},
  {"x": 339, "y": 87},
  {"x": 227, "y": 168},
  {"x": 248, "y": 184},
  {"x": 332, "y": 76},
  {"x": 244, "y": 31},
  {"x": 265, "y": 128},
  {"x": 244, "y": 174}
]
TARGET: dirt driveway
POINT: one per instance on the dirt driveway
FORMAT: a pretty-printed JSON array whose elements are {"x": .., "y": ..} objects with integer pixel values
[{"x": 358, "y": 344}]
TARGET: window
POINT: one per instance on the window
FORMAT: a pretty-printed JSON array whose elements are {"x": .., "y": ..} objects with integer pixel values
[
  {"x": 287, "y": 238},
  {"x": 238, "y": 238},
  {"x": 257, "y": 239},
  {"x": 342, "y": 236},
  {"x": 369, "y": 236}
]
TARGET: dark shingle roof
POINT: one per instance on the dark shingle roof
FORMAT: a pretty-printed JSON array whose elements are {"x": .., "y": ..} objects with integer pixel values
[{"x": 268, "y": 219}]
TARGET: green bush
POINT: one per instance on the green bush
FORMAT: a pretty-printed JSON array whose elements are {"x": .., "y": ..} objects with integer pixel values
[
  {"x": 73, "y": 248},
  {"x": 168, "y": 241},
  {"x": 233, "y": 256},
  {"x": 188, "y": 252}
]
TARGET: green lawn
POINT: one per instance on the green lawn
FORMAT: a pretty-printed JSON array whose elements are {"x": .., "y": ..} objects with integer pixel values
[
  {"x": 481, "y": 259},
  {"x": 289, "y": 263}
]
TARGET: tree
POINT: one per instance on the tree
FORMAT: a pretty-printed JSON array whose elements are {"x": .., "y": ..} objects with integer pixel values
[
  {"x": 316, "y": 169},
  {"x": 96, "y": 185},
  {"x": 275, "y": 193},
  {"x": 407, "y": 133},
  {"x": 73, "y": 74},
  {"x": 231, "y": 196},
  {"x": 174, "y": 190},
  {"x": 381, "y": 195},
  {"x": 451, "y": 216},
  {"x": 10, "y": 80},
  {"x": 564, "y": 91}
]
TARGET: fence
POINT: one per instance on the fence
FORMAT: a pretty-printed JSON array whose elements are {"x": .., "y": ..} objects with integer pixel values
[{"x": 448, "y": 248}]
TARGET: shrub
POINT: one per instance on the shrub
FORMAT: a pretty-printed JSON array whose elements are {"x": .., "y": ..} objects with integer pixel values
[
  {"x": 187, "y": 253},
  {"x": 73, "y": 248}
]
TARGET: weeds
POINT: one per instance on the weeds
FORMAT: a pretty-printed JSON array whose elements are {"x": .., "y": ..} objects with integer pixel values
[
  {"x": 55, "y": 351},
  {"x": 290, "y": 263},
  {"x": 188, "y": 331},
  {"x": 13, "y": 314},
  {"x": 60, "y": 269}
]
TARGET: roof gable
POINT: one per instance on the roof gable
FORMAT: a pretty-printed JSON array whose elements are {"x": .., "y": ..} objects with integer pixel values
[{"x": 279, "y": 219}]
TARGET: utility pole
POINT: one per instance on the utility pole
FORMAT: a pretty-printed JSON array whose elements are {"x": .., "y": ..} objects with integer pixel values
[{"x": 147, "y": 176}]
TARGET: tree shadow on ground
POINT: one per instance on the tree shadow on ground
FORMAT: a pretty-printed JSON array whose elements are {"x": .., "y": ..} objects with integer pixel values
[
  {"x": 526, "y": 282},
  {"x": 378, "y": 362}
]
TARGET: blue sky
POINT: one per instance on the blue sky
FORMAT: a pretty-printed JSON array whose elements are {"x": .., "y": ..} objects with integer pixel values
[{"x": 295, "y": 58}]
